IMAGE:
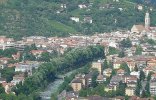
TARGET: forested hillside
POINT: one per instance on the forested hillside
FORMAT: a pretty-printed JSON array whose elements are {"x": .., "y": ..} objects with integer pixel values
[{"x": 52, "y": 17}]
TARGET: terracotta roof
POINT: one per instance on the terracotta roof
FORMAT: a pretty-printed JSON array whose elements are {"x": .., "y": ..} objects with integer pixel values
[
  {"x": 140, "y": 28},
  {"x": 120, "y": 71},
  {"x": 95, "y": 98}
]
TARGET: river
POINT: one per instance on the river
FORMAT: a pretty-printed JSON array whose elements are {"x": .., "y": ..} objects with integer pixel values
[{"x": 53, "y": 87}]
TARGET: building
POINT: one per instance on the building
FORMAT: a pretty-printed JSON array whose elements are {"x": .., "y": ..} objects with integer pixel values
[
  {"x": 130, "y": 91},
  {"x": 77, "y": 85},
  {"x": 147, "y": 21},
  {"x": 98, "y": 66},
  {"x": 153, "y": 87},
  {"x": 107, "y": 72},
  {"x": 76, "y": 19},
  {"x": 17, "y": 79},
  {"x": 20, "y": 46},
  {"x": 117, "y": 64},
  {"x": 121, "y": 72},
  {"x": 137, "y": 28},
  {"x": 100, "y": 78},
  {"x": 64, "y": 95}
]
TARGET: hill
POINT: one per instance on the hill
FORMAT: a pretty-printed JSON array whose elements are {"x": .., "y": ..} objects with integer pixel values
[{"x": 20, "y": 18}]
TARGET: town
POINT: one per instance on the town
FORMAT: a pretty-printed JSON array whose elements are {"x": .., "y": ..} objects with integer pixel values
[{"x": 127, "y": 72}]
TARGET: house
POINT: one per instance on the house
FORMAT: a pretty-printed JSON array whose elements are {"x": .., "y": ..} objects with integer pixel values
[
  {"x": 82, "y": 6},
  {"x": 77, "y": 85},
  {"x": 147, "y": 70},
  {"x": 115, "y": 80},
  {"x": 107, "y": 72},
  {"x": 7, "y": 87},
  {"x": 137, "y": 74},
  {"x": 117, "y": 64},
  {"x": 88, "y": 78},
  {"x": 98, "y": 66},
  {"x": 2, "y": 80},
  {"x": 82, "y": 78},
  {"x": 121, "y": 72},
  {"x": 137, "y": 28},
  {"x": 153, "y": 87},
  {"x": 16, "y": 56},
  {"x": 140, "y": 7},
  {"x": 88, "y": 20},
  {"x": 130, "y": 78},
  {"x": 110, "y": 88},
  {"x": 119, "y": 98},
  {"x": 134, "y": 98},
  {"x": 75, "y": 19},
  {"x": 37, "y": 52},
  {"x": 131, "y": 84},
  {"x": 151, "y": 62},
  {"x": 64, "y": 95},
  {"x": 18, "y": 78},
  {"x": 5, "y": 60},
  {"x": 95, "y": 98},
  {"x": 131, "y": 65},
  {"x": 130, "y": 91},
  {"x": 23, "y": 67},
  {"x": 100, "y": 79},
  {"x": 153, "y": 76}
]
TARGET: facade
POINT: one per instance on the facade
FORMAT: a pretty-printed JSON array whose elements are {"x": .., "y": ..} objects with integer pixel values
[
  {"x": 76, "y": 85},
  {"x": 137, "y": 29},
  {"x": 130, "y": 91},
  {"x": 98, "y": 66},
  {"x": 147, "y": 20},
  {"x": 153, "y": 87}
]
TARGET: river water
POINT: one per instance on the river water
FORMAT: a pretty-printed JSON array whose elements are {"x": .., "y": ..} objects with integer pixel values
[{"x": 53, "y": 87}]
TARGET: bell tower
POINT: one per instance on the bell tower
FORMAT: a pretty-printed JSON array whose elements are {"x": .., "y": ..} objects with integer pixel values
[{"x": 147, "y": 20}]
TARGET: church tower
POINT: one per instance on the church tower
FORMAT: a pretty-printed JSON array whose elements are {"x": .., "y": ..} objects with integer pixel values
[{"x": 147, "y": 20}]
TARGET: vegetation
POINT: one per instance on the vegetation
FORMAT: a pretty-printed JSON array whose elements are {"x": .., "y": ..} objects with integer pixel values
[
  {"x": 47, "y": 71},
  {"x": 48, "y": 18},
  {"x": 113, "y": 50},
  {"x": 138, "y": 50},
  {"x": 8, "y": 52},
  {"x": 125, "y": 67},
  {"x": 126, "y": 43},
  {"x": 8, "y": 73}
]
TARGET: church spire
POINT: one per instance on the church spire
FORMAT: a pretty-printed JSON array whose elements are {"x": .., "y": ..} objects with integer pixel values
[{"x": 147, "y": 20}]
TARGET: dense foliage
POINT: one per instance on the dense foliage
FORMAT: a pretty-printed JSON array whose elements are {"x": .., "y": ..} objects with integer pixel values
[
  {"x": 47, "y": 71},
  {"x": 39, "y": 17}
]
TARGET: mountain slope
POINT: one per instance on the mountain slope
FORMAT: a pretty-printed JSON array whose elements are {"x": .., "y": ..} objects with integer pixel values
[{"x": 40, "y": 17}]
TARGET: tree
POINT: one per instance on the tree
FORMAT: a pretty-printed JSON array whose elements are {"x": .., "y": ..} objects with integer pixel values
[
  {"x": 126, "y": 43},
  {"x": 125, "y": 67},
  {"x": 83, "y": 93},
  {"x": 143, "y": 95},
  {"x": 33, "y": 47},
  {"x": 112, "y": 51},
  {"x": 8, "y": 73},
  {"x": 138, "y": 88},
  {"x": 121, "y": 89},
  {"x": 105, "y": 64},
  {"x": 9, "y": 52},
  {"x": 138, "y": 50},
  {"x": 69, "y": 88},
  {"x": 2, "y": 90},
  {"x": 121, "y": 54},
  {"x": 149, "y": 76},
  {"x": 45, "y": 56},
  {"x": 147, "y": 88},
  {"x": 94, "y": 77},
  {"x": 142, "y": 75},
  {"x": 136, "y": 68}
]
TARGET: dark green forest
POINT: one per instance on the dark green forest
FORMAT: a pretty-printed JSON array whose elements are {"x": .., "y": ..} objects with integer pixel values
[{"x": 20, "y": 18}]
